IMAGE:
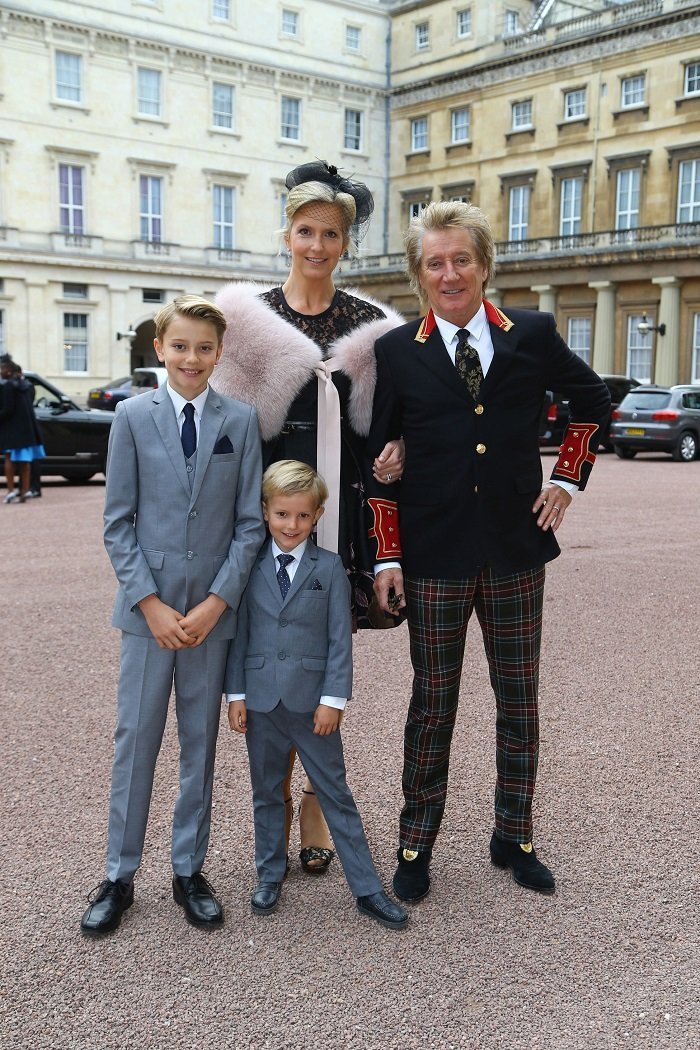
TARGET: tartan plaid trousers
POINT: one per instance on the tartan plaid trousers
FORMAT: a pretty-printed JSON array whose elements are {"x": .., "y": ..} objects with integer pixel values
[{"x": 509, "y": 610}]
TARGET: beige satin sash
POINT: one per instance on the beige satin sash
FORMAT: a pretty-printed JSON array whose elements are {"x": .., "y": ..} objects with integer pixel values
[{"x": 328, "y": 453}]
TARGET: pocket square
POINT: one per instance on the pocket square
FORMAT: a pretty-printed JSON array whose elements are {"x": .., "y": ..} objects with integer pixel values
[
  {"x": 316, "y": 586},
  {"x": 222, "y": 446}
]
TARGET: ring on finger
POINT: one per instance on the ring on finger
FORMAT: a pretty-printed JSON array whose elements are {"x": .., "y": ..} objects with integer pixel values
[{"x": 390, "y": 477}]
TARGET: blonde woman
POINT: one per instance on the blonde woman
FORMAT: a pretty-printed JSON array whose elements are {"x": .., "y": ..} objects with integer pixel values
[{"x": 303, "y": 355}]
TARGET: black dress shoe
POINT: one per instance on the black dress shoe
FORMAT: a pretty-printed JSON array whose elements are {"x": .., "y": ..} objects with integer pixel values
[
  {"x": 412, "y": 877},
  {"x": 197, "y": 898},
  {"x": 108, "y": 902},
  {"x": 383, "y": 910},
  {"x": 266, "y": 897},
  {"x": 527, "y": 870}
]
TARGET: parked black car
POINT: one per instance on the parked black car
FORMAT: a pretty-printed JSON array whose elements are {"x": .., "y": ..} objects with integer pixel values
[
  {"x": 658, "y": 419},
  {"x": 75, "y": 439},
  {"x": 555, "y": 412},
  {"x": 109, "y": 395}
]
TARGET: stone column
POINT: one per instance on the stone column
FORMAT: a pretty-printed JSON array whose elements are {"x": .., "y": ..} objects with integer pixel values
[
  {"x": 548, "y": 297},
  {"x": 668, "y": 345},
  {"x": 604, "y": 334}
]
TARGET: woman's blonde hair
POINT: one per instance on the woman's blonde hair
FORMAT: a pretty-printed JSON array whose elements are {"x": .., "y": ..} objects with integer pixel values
[{"x": 323, "y": 194}]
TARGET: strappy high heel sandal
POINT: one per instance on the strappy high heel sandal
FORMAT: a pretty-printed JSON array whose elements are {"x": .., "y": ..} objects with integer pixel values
[{"x": 315, "y": 860}]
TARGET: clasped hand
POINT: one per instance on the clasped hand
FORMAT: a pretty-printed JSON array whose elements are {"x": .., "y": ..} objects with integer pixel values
[{"x": 172, "y": 630}]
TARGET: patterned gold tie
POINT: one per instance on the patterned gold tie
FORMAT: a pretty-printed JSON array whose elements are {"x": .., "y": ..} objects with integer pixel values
[{"x": 468, "y": 364}]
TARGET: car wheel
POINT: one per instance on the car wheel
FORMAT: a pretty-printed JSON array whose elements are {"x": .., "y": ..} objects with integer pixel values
[
  {"x": 77, "y": 477},
  {"x": 686, "y": 448},
  {"x": 625, "y": 453}
]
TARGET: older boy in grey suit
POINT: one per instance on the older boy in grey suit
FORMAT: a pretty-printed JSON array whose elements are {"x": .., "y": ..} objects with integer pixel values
[
  {"x": 288, "y": 677},
  {"x": 182, "y": 526}
]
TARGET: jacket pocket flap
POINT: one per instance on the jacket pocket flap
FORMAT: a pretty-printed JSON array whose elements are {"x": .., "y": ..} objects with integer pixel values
[
  {"x": 254, "y": 661},
  {"x": 310, "y": 663},
  {"x": 154, "y": 558}
]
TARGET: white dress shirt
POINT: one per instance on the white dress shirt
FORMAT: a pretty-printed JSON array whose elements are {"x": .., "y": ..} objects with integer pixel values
[
  {"x": 338, "y": 702},
  {"x": 179, "y": 403}
]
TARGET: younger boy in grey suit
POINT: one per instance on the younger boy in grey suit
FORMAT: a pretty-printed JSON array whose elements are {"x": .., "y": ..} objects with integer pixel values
[
  {"x": 182, "y": 526},
  {"x": 288, "y": 677}
]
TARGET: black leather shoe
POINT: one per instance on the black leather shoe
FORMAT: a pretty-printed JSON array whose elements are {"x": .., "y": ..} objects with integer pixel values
[
  {"x": 527, "y": 870},
  {"x": 108, "y": 902},
  {"x": 383, "y": 910},
  {"x": 266, "y": 897},
  {"x": 197, "y": 898},
  {"x": 412, "y": 877}
]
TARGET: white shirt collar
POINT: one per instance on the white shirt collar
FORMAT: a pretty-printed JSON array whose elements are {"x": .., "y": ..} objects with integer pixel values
[
  {"x": 179, "y": 401},
  {"x": 296, "y": 553},
  {"x": 448, "y": 330}
]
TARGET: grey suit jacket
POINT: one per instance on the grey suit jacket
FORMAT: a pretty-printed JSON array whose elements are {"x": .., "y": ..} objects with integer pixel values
[
  {"x": 297, "y": 649},
  {"x": 166, "y": 536}
]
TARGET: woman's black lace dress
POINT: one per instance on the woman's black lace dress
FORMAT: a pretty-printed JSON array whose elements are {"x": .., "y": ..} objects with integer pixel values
[{"x": 344, "y": 314}]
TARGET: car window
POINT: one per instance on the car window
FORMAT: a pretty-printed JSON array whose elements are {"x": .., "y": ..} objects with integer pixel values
[
  {"x": 691, "y": 401},
  {"x": 145, "y": 380},
  {"x": 646, "y": 400},
  {"x": 121, "y": 381},
  {"x": 44, "y": 397}
]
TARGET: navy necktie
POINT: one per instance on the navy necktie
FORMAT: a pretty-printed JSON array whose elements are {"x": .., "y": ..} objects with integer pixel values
[
  {"x": 282, "y": 574},
  {"x": 189, "y": 431},
  {"x": 468, "y": 364}
]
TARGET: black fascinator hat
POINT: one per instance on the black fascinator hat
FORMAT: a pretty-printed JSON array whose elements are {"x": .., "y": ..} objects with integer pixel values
[{"x": 319, "y": 171}]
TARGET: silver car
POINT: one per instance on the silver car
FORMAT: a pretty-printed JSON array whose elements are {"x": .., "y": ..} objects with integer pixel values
[{"x": 658, "y": 419}]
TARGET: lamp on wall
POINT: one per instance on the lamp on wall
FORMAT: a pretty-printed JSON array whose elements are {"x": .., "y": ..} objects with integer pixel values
[
  {"x": 128, "y": 334},
  {"x": 643, "y": 327}
]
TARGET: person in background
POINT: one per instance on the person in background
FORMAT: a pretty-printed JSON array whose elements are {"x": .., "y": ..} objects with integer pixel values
[
  {"x": 303, "y": 355},
  {"x": 20, "y": 439}
]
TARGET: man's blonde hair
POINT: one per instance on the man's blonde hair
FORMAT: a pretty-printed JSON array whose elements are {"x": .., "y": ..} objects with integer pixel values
[
  {"x": 288, "y": 477},
  {"x": 190, "y": 306},
  {"x": 448, "y": 215}
]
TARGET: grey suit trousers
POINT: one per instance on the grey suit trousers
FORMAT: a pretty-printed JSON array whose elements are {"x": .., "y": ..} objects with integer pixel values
[
  {"x": 269, "y": 738},
  {"x": 145, "y": 683}
]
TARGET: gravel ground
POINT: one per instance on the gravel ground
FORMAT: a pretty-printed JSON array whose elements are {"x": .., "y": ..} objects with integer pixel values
[{"x": 611, "y": 961}]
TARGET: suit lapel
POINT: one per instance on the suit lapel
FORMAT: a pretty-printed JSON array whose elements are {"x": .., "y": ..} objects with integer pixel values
[
  {"x": 306, "y": 567},
  {"x": 504, "y": 346},
  {"x": 163, "y": 413},
  {"x": 209, "y": 427},
  {"x": 433, "y": 355},
  {"x": 267, "y": 568}
]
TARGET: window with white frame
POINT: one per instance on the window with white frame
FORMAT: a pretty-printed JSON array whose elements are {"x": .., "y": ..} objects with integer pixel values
[
  {"x": 688, "y": 191},
  {"x": 464, "y": 22},
  {"x": 692, "y": 79},
  {"x": 460, "y": 125},
  {"x": 73, "y": 290},
  {"x": 639, "y": 349},
  {"x": 415, "y": 208},
  {"x": 518, "y": 213},
  {"x": 69, "y": 76},
  {"x": 419, "y": 134},
  {"x": 521, "y": 114},
  {"x": 149, "y": 92},
  {"x": 579, "y": 337},
  {"x": 222, "y": 106},
  {"x": 75, "y": 342},
  {"x": 290, "y": 125},
  {"x": 151, "y": 208},
  {"x": 71, "y": 198},
  {"x": 570, "y": 206},
  {"x": 221, "y": 9},
  {"x": 422, "y": 36},
  {"x": 627, "y": 199},
  {"x": 512, "y": 22},
  {"x": 695, "y": 377},
  {"x": 290, "y": 22},
  {"x": 224, "y": 202},
  {"x": 353, "y": 38},
  {"x": 575, "y": 104},
  {"x": 633, "y": 91},
  {"x": 352, "y": 138}
]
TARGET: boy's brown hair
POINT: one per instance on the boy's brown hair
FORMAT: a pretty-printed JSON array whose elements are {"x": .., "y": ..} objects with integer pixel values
[{"x": 190, "y": 306}]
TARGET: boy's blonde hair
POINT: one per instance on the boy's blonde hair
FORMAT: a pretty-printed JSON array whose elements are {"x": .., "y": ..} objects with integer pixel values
[
  {"x": 190, "y": 306},
  {"x": 288, "y": 477}
]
